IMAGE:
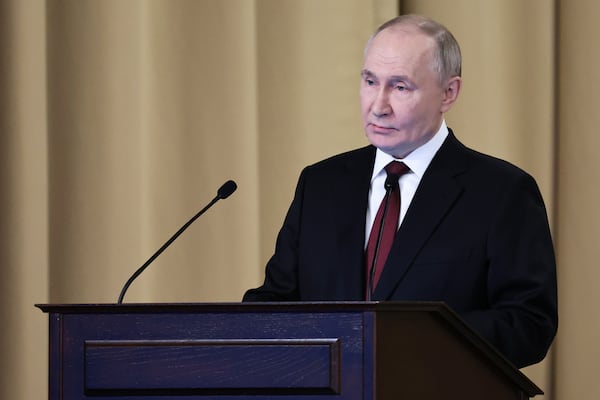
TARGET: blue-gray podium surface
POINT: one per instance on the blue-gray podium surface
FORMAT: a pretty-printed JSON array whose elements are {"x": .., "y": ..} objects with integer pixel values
[{"x": 285, "y": 351}]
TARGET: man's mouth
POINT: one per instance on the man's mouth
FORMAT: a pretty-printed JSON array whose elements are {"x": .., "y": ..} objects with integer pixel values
[{"x": 381, "y": 129}]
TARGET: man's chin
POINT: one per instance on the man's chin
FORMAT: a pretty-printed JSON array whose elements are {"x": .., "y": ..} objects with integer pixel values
[
  {"x": 381, "y": 144},
  {"x": 394, "y": 151},
  {"x": 393, "y": 146}
]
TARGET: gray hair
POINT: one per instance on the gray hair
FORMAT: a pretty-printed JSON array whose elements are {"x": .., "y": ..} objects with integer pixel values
[{"x": 447, "y": 59}]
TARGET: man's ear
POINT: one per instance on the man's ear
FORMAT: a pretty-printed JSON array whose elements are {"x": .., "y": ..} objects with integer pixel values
[{"x": 451, "y": 90}]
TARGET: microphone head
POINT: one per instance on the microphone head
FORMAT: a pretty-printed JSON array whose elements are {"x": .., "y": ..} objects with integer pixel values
[
  {"x": 226, "y": 189},
  {"x": 391, "y": 182}
]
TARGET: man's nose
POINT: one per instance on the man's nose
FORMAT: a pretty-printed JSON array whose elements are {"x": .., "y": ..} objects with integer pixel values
[{"x": 381, "y": 104}]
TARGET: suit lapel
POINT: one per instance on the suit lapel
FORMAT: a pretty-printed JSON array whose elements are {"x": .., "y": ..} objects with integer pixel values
[{"x": 437, "y": 192}]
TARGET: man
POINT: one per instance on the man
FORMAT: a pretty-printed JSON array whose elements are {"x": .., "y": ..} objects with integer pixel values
[{"x": 473, "y": 230}]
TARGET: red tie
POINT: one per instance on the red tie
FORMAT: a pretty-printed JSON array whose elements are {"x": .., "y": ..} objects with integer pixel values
[{"x": 390, "y": 217}]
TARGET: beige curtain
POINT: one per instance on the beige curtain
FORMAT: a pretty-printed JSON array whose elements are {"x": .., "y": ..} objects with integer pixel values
[
  {"x": 24, "y": 251},
  {"x": 120, "y": 119}
]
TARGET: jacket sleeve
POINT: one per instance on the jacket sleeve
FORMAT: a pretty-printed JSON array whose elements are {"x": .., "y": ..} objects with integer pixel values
[
  {"x": 281, "y": 272},
  {"x": 522, "y": 317}
]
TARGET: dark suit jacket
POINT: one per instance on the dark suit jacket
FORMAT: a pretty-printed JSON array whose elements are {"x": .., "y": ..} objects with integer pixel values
[{"x": 476, "y": 236}]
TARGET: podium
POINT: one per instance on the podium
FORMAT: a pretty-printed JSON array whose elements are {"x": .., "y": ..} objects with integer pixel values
[{"x": 286, "y": 351}]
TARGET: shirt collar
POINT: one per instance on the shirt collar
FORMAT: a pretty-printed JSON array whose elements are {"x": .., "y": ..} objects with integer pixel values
[{"x": 419, "y": 159}]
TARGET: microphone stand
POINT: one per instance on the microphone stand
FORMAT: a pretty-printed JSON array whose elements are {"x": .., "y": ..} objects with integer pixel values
[{"x": 224, "y": 191}]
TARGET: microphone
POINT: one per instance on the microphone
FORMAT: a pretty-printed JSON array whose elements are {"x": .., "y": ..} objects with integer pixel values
[
  {"x": 391, "y": 182},
  {"x": 224, "y": 192}
]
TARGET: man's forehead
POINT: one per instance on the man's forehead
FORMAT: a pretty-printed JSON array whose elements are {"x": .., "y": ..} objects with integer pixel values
[
  {"x": 401, "y": 37},
  {"x": 395, "y": 46}
]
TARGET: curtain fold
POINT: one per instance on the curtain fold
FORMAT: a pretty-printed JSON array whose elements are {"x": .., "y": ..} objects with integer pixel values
[
  {"x": 120, "y": 119},
  {"x": 578, "y": 217},
  {"x": 23, "y": 200}
]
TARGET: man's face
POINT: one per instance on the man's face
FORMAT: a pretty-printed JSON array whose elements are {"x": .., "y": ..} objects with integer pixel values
[{"x": 401, "y": 99}]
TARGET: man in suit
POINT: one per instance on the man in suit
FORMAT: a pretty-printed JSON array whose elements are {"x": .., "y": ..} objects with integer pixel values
[{"x": 473, "y": 230}]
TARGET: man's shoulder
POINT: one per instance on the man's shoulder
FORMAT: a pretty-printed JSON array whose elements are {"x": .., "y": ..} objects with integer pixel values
[
  {"x": 348, "y": 158},
  {"x": 343, "y": 168},
  {"x": 481, "y": 162},
  {"x": 493, "y": 165},
  {"x": 361, "y": 154}
]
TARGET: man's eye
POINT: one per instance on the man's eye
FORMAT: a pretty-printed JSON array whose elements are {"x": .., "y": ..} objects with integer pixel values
[
  {"x": 400, "y": 88},
  {"x": 369, "y": 82}
]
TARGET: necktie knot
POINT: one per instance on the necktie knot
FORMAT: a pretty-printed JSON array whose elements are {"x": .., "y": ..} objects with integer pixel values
[{"x": 396, "y": 168}]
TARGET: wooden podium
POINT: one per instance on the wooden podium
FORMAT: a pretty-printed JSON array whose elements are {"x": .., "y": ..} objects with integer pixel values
[{"x": 286, "y": 351}]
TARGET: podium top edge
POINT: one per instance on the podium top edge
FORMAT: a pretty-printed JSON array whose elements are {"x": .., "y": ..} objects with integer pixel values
[{"x": 341, "y": 306}]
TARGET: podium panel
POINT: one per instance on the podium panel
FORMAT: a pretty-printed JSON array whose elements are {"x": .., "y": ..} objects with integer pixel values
[{"x": 291, "y": 351}]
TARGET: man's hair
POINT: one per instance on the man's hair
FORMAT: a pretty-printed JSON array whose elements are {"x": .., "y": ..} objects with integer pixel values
[{"x": 447, "y": 59}]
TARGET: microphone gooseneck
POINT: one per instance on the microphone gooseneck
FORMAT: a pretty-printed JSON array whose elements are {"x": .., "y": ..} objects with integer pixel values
[{"x": 224, "y": 192}]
